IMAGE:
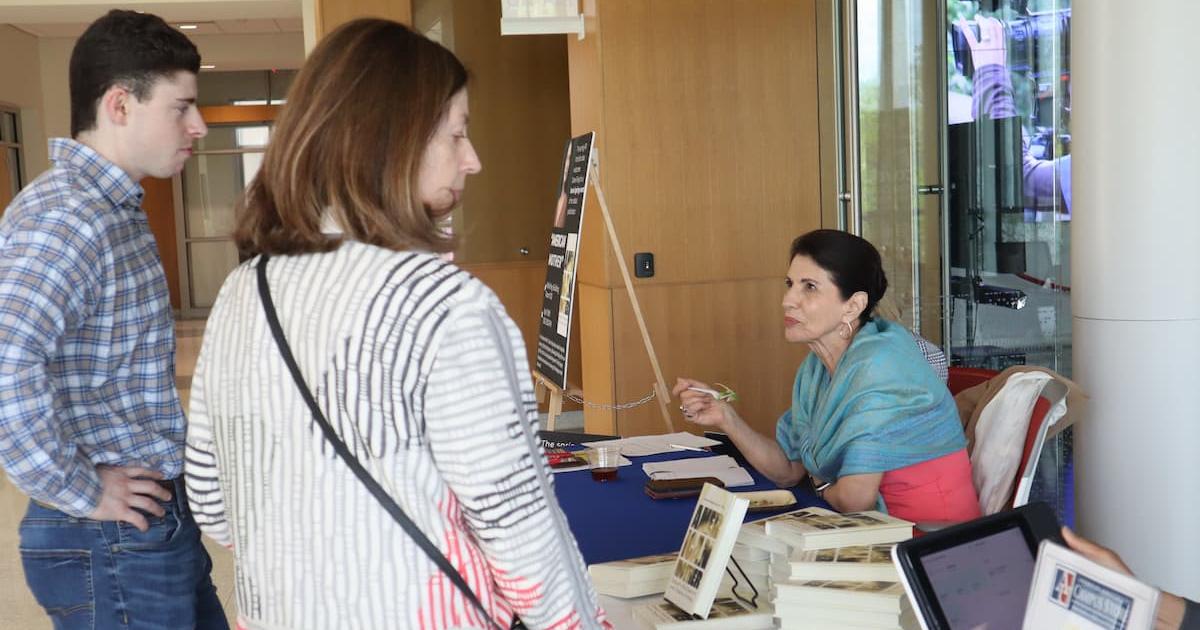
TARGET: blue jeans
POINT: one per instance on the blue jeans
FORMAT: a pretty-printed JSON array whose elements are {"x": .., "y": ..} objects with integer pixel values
[{"x": 101, "y": 575}]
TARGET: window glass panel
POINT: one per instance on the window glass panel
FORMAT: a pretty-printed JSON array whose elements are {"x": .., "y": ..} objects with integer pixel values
[
  {"x": 219, "y": 138},
  {"x": 210, "y": 262},
  {"x": 8, "y": 127},
  {"x": 212, "y": 185},
  {"x": 1009, "y": 145},
  {"x": 899, "y": 149},
  {"x": 14, "y": 168},
  {"x": 252, "y": 136},
  {"x": 1010, "y": 212}
]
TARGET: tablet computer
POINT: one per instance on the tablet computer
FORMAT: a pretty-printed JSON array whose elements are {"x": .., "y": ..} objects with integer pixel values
[{"x": 976, "y": 574}]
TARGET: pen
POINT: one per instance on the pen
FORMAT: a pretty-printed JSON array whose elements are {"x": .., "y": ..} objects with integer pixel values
[{"x": 688, "y": 448}]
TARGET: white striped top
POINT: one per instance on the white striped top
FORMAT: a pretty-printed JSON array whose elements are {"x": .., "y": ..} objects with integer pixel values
[{"x": 415, "y": 364}]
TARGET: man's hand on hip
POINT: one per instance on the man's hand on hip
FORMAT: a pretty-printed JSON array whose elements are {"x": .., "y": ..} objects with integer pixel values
[{"x": 127, "y": 490}]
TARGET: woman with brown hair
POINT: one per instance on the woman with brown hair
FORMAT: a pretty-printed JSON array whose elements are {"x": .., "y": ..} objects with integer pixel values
[{"x": 356, "y": 394}]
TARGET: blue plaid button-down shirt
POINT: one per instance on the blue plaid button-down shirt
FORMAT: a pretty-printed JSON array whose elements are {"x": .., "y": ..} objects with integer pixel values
[{"x": 87, "y": 339}]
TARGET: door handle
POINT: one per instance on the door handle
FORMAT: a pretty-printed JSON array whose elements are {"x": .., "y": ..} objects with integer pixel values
[{"x": 930, "y": 189}]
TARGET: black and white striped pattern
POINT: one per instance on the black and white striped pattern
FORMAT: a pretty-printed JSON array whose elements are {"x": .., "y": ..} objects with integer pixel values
[{"x": 417, "y": 367}]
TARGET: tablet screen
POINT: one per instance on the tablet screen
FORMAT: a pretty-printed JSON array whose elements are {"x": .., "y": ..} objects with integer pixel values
[
  {"x": 983, "y": 583},
  {"x": 976, "y": 575}
]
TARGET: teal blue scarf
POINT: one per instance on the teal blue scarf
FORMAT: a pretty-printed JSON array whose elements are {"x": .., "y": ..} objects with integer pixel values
[{"x": 882, "y": 409}]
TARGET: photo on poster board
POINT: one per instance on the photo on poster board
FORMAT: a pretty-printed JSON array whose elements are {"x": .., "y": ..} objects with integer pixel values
[{"x": 558, "y": 297}]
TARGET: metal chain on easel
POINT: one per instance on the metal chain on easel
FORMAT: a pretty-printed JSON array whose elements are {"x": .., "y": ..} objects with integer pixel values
[{"x": 629, "y": 405}]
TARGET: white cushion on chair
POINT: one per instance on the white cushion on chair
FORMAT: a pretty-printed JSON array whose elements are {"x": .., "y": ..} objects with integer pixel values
[{"x": 1000, "y": 439}]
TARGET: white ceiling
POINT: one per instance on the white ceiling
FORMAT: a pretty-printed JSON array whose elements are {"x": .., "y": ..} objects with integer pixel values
[
  {"x": 233, "y": 34},
  {"x": 216, "y": 27},
  {"x": 176, "y": 11}
]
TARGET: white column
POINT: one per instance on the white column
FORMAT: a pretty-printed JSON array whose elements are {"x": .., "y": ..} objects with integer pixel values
[{"x": 1135, "y": 298}]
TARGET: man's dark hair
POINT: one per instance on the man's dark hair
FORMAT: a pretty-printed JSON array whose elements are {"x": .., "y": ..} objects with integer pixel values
[{"x": 126, "y": 48}]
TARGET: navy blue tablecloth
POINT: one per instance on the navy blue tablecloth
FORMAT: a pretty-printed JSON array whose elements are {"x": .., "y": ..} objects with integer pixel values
[{"x": 615, "y": 519}]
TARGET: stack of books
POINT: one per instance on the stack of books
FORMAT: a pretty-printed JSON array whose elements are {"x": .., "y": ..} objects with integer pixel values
[
  {"x": 843, "y": 605},
  {"x": 839, "y": 573},
  {"x": 866, "y": 563},
  {"x": 818, "y": 528},
  {"x": 635, "y": 577},
  {"x": 754, "y": 535}
]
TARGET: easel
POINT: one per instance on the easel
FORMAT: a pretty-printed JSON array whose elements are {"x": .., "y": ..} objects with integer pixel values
[{"x": 660, "y": 385}]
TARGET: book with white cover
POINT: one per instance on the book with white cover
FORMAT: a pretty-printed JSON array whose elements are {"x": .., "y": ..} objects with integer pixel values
[
  {"x": 726, "y": 614},
  {"x": 800, "y": 616},
  {"x": 878, "y": 596},
  {"x": 818, "y": 528},
  {"x": 790, "y": 612},
  {"x": 631, "y": 590},
  {"x": 634, "y": 577},
  {"x": 746, "y": 552},
  {"x": 1071, "y": 591},
  {"x": 856, "y": 562},
  {"x": 705, "y": 553},
  {"x": 792, "y": 617},
  {"x": 754, "y": 534}
]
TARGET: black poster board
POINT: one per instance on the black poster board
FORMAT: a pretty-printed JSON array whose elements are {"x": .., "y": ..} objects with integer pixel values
[{"x": 558, "y": 294}]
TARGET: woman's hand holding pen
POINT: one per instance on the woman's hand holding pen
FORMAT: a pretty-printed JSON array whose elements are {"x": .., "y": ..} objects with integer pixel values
[{"x": 699, "y": 406}]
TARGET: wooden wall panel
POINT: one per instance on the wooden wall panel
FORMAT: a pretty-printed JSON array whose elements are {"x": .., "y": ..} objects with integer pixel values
[
  {"x": 710, "y": 151},
  {"x": 729, "y": 332},
  {"x": 331, "y": 14},
  {"x": 706, "y": 114},
  {"x": 587, "y": 114},
  {"x": 520, "y": 120},
  {"x": 597, "y": 357},
  {"x": 159, "y": 204}
]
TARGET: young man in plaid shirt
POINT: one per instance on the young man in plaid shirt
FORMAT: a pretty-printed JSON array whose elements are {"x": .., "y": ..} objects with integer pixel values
[{"x": 91, "y": 426}]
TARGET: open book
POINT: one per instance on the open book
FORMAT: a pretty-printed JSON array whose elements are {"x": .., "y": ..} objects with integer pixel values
[{"x": 705, "y": 553}]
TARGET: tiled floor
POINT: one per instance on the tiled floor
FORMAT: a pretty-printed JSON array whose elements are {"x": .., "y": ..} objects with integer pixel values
[{"x": 18, "y": 610}]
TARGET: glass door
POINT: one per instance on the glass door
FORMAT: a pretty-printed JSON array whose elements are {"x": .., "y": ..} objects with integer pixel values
[
  {"x": 1009, "y": 193},
  {"x": 210, "y": 187},
  {"x": 893, "y": 169},
  {"x": 1009, "y": 146}
]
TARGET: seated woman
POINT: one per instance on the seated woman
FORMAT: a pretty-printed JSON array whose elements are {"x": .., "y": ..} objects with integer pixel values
[
  {"x": 413, "y": 362},
  {"x": 870, "y": 422}
]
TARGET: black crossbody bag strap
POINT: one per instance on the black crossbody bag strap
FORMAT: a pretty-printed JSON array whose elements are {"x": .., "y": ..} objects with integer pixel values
[{"x": 389, "y": 504}]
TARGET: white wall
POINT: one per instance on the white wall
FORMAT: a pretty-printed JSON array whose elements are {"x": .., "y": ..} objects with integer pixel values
[
  {"x": 21, "y": 85},
  {"x": 55, "y": 55},
  {"x": 1136, "y": 298},
  {"x": 257, "y": 51}
]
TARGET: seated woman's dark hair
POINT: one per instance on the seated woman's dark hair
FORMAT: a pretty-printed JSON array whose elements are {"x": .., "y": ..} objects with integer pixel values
[{"x": 852, "y": 262}]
